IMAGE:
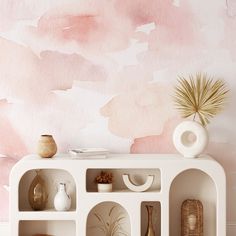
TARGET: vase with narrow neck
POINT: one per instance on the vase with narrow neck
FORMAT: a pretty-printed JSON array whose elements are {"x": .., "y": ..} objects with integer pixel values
[
  {"x": 62, "y": 201},
  {"x": 37, "y": 194},
  {"x": 150, "y": 228}
]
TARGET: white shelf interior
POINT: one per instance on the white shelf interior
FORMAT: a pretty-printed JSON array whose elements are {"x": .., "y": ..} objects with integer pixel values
[
  {"x": 193, "y": 184},
  {"x": 52, "y": 178},
  {"x": 138, "y": 177},
  {"x": 51, "y": 227}
]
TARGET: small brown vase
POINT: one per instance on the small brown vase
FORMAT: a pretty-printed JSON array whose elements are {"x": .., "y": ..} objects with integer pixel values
[
  {"x": 150, "y": 228},
  {"x": 37, "y": 194},
  {"x": 46, "y": 146}
]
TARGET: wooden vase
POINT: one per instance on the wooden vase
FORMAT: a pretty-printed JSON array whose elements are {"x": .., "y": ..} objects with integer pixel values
[
  {"x": 150, "y": 228},
  {"x": 46, "y": 146}
]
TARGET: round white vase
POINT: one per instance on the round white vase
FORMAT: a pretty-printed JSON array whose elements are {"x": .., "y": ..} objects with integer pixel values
[
  {"x": 104, "y": 187},
  {"x": 183, "y": 133},
  {"x": 62, "y": 201}
]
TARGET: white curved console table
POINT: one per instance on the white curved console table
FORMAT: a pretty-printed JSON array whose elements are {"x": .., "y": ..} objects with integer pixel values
[{"x": 175, "y": 179}]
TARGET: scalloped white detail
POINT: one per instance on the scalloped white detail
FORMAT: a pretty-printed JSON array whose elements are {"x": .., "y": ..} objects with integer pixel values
[
  {"x": 187, "y": 148},
  {"x": 138, "y": 188}
]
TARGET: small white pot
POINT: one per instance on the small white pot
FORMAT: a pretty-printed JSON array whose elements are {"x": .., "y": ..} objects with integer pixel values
[
  {"x": 105, "y": 187},
  {"x": 187, "y": 147}
]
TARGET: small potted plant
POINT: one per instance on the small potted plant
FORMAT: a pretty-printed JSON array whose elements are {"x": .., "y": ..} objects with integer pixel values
[{"x": 104, "y": 181}]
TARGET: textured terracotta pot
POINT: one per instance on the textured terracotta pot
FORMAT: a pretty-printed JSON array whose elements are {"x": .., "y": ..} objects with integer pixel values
[{"x": 46, "y": 146}]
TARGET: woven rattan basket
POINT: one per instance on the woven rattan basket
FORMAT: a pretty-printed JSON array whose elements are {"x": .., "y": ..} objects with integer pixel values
[{"x": 192, "y": 218}]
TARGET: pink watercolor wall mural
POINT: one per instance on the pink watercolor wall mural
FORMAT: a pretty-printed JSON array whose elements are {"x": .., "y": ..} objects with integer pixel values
[{"x": 101, "y": 73}]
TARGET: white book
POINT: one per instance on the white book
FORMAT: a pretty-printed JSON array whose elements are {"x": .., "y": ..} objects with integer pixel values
[{"x": 89, "y": 153}]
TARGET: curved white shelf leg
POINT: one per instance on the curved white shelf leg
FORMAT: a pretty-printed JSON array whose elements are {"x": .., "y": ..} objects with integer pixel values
[{"x": 138, "y": 188}]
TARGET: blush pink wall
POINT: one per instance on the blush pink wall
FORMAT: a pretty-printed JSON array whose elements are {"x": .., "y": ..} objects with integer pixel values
[{"x": 101, "y": 73}]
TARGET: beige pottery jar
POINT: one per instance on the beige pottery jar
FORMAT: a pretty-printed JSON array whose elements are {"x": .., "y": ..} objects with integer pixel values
[{"x": 46, "y": 146}]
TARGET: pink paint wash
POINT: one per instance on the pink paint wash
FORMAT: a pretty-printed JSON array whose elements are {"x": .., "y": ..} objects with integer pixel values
[{"x": 67, "y": 68}]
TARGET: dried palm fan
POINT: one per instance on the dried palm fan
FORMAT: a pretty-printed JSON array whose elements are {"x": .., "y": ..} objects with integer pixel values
[{"x": 200, "y": 95}]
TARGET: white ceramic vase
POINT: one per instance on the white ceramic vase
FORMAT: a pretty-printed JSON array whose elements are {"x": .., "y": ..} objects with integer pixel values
[
  {"x": 62, "y": 201},
  {"x": 190, "y": 138},
  {"x": 104, "y": 187}
]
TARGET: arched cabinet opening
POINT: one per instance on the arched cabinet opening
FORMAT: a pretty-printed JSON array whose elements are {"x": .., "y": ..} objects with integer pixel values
[
  {"x": 108, "y": 218},
  {"x": 51, "y": 178},
  {"x": 196, "y": 185}
]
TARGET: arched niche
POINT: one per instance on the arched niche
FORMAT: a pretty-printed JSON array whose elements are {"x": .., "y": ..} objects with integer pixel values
[
  {"x": 193, "y": 184},
  {"x": 52, "y": 178},
  {"x": 108, "y": 217}
]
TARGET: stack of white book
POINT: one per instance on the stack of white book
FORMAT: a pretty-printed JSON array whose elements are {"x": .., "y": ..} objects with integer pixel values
[{"x": 89, "y": 153}]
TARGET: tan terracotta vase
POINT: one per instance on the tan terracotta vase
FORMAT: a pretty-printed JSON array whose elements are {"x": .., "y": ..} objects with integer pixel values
[{"x": 46, "y": 146}]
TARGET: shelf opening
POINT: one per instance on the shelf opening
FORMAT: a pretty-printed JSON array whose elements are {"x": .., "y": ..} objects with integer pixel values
[
  {"x": 137, "y": 177},
  {"x": 52, "y": 178},
  {"x": 196, "y": 185}
]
